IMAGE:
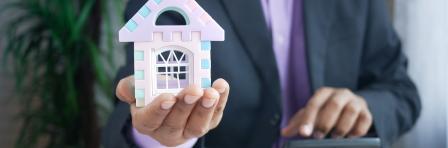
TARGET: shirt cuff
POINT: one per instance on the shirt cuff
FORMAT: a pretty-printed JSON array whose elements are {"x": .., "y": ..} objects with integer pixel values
[{"x": 145, "y": 141}]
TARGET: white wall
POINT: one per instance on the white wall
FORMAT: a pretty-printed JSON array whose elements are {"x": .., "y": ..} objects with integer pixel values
[{"x": 423, "y": 27}]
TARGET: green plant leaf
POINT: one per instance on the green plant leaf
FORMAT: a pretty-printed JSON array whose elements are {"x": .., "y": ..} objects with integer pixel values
[
  {"x": 85, "y": 12},
  {"x": 46, "y": 45}
]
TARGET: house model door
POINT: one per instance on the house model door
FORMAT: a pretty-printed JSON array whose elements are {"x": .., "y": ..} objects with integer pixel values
[{"x": 173, "y": 69}]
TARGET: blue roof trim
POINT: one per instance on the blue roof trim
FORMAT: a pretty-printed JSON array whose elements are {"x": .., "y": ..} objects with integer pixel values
[
  {"x": 158, "y": 1},
  {"x": 144, "y": 11},
  {"x": 131, "y": 25},
  {"x": 143, "y": 22}
]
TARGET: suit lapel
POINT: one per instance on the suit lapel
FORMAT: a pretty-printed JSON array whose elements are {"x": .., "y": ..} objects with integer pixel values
[
  {"x": 318, "y": 19},
  {"x": 250, "y": 25}
]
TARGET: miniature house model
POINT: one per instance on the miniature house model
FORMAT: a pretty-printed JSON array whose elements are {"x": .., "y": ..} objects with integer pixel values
[{"x": 168, "y": 58}]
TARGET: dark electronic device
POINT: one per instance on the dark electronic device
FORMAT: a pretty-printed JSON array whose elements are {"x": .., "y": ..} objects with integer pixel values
[{"x": 335, "y": 143}]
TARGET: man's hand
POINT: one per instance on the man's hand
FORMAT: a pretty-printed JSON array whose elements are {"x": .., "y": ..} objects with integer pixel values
[
  {"x": 172, "y": 120},
  {"x": 338, "y": 111}
]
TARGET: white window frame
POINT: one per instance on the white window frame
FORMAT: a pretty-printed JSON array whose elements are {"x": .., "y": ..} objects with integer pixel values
[{"x": 189, "y": 68}]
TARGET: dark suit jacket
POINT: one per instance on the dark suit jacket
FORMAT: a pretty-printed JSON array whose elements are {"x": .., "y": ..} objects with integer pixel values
[{"x": 350, "y": 44}]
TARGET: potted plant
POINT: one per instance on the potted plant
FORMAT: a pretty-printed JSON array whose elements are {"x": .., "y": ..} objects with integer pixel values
[{"x": 53, "y": 48}]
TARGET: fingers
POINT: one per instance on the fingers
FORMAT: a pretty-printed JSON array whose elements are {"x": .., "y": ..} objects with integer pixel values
[
  {"x": 198, "y": 123},
  {"x": 172, "y": 120},
  {"x": 331, "y": 111},
  {"x": 174, "y": 124},
  {"x": 149, "y": 118},
  {"x": 124, "y": 90},
  {"x": 363, "y": 125},
  {"x": 303, "y": 124},
  {"x": 202, "y": 113},
  {"x": 223, "y": 89},
  {"x": 294, "y": 128},
  {"x": 347, "y": 120}
]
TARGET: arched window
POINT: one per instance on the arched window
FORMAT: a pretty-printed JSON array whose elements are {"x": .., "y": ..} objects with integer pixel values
[
  {"x": 172, "y": 69},
  {"x": 172, "y": 16}
]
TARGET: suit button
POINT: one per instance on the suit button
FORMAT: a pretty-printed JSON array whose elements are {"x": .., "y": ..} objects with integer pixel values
[
  {"x": 277, "y": 116},
  {"x": 274, "y": 121}
]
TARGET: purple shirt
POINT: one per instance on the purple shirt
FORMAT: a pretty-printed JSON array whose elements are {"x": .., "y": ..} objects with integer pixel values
[
  {"x": 279, "y": 17},
  {"x": 145, "y": 141},
  {"x": 285, "y": 19}
]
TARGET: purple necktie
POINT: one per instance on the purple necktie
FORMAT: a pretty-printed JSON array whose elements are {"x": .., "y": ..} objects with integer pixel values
[{"x": 297, "y": 91}]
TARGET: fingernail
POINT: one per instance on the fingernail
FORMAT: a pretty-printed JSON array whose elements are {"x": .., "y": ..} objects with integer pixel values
[
  {"x": 318, "y": 135},
  {"x": 191, "y": 99},
  {"x": 167, "y": 105},
  {"x": 208, "y": 103},
  {"x": 307, "y": 129},
  {"x": 221, "y": 90}
]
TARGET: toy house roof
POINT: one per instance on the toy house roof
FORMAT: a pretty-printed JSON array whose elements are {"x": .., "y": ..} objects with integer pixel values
[{"x": 142, "y": 26}]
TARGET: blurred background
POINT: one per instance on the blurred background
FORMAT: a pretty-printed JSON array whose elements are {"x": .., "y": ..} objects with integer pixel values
[{"x": 58, "y": 58}]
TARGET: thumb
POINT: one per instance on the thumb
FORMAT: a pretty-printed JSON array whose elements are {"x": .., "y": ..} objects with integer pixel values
[{"x": 124, "y": 90}]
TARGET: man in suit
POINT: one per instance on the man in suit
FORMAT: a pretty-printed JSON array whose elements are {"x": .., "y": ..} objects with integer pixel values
[{"x": 296, "y": 68}]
